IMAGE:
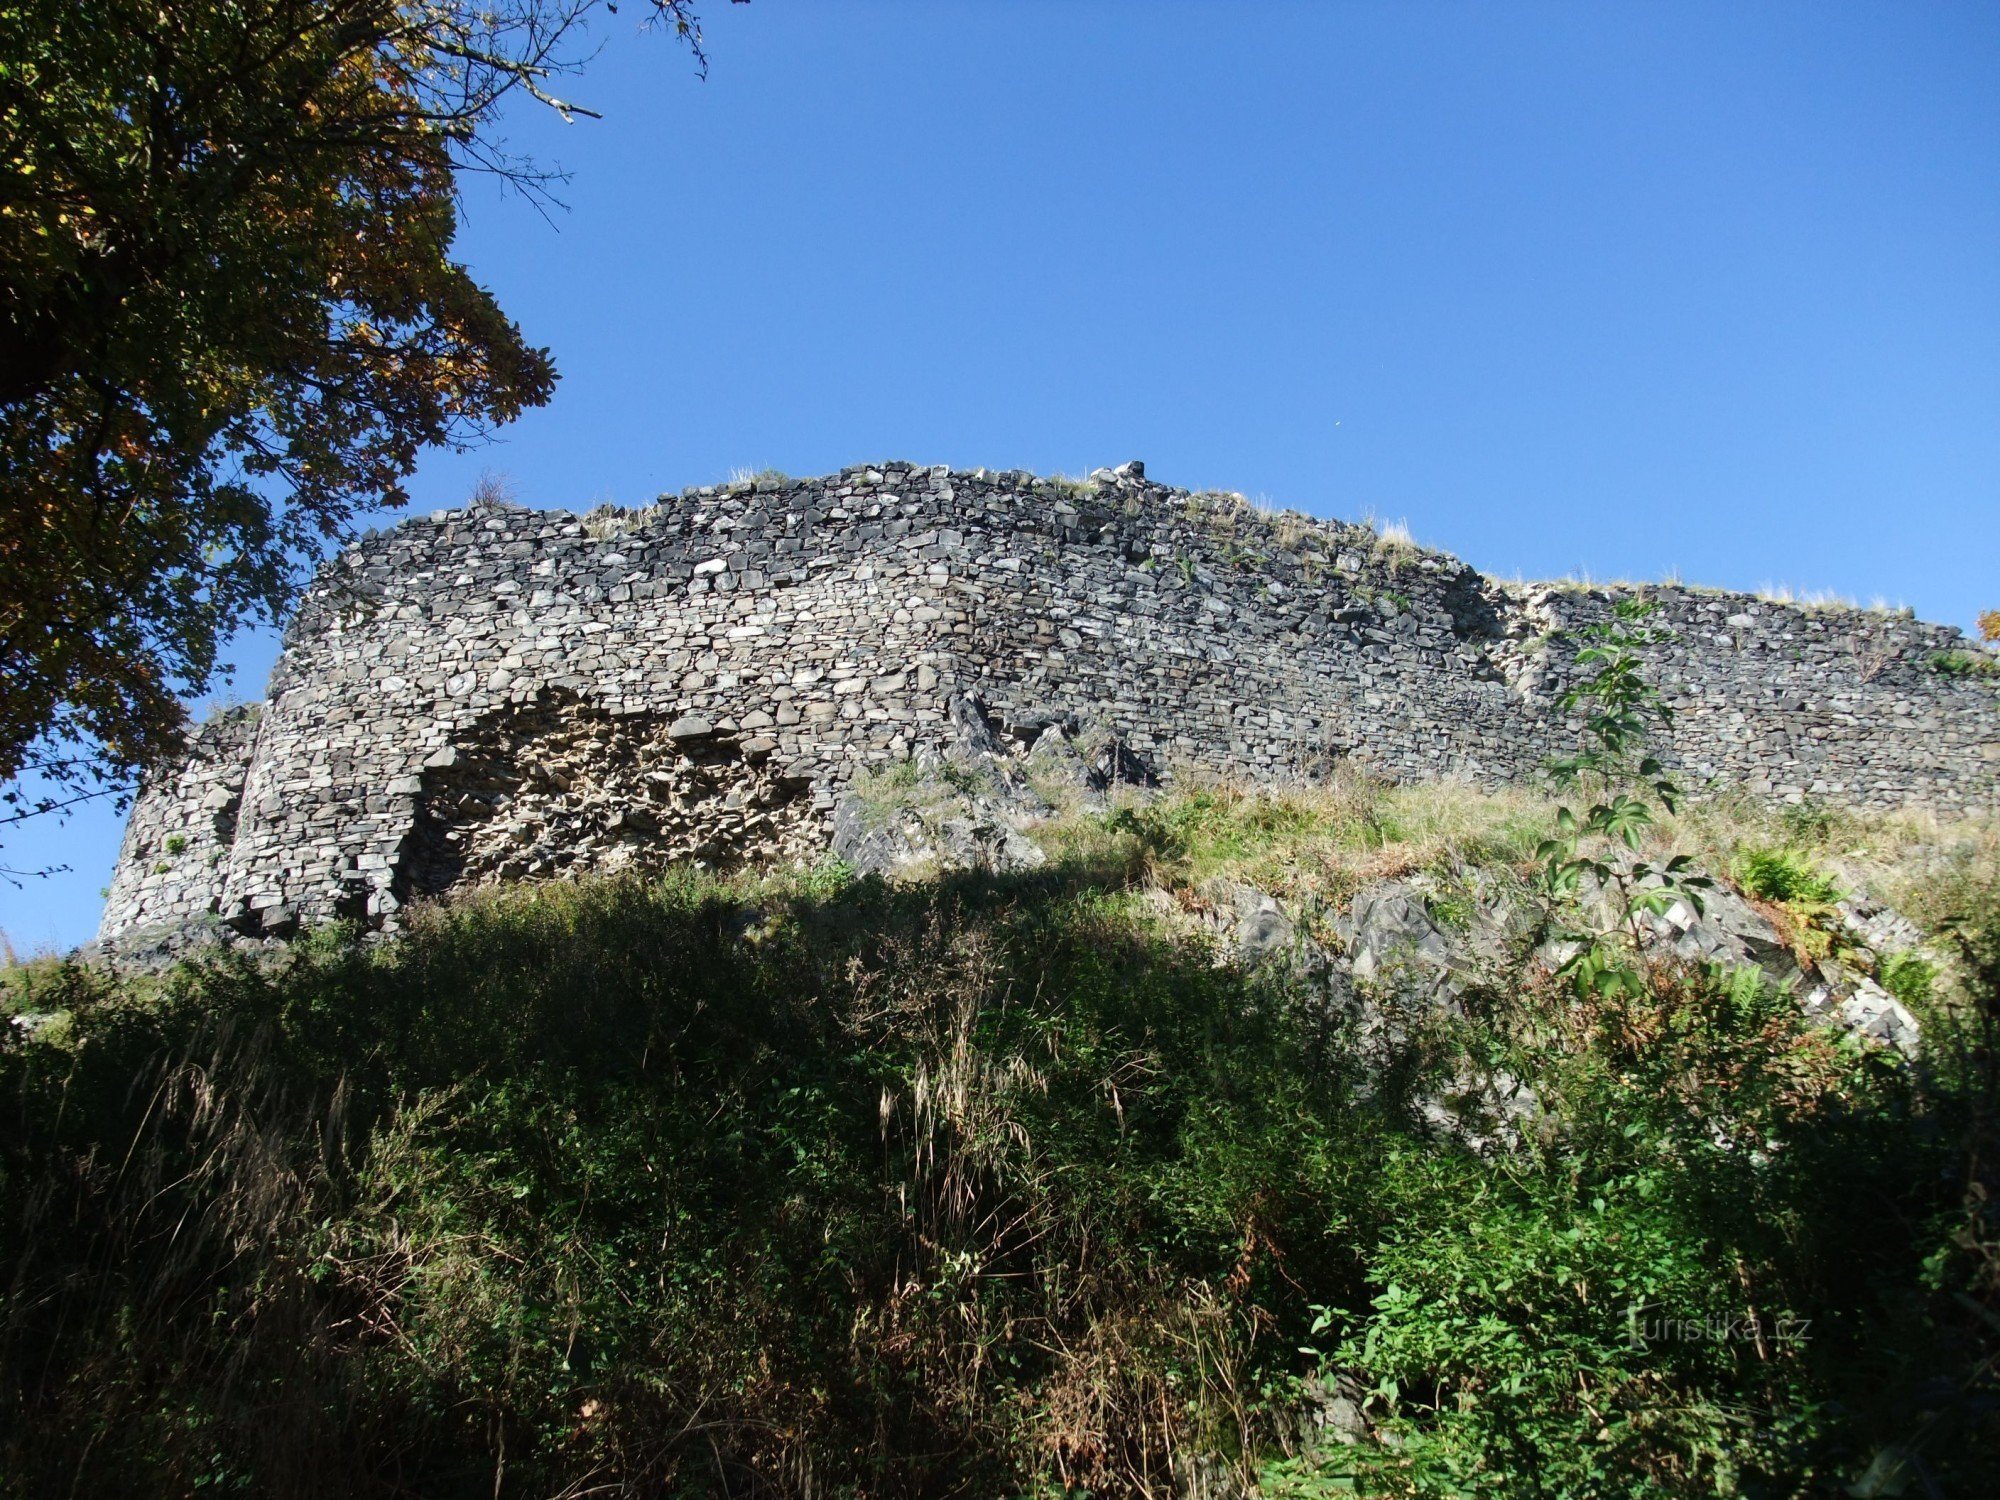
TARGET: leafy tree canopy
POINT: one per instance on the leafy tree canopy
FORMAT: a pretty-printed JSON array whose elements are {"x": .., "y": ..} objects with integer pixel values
[{"x": 229, "y": 321}]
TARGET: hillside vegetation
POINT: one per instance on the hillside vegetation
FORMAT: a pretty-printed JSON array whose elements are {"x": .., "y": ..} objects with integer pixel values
[{"x": 815, "y": 1185}]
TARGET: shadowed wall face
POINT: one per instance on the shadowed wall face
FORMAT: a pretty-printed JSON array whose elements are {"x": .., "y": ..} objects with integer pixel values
[{"x": 501, "y": 693}]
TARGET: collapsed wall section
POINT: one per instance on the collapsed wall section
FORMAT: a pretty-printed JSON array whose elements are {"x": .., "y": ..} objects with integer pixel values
[
  {"x": 560, "y": 787},
  {"x": 498, "y": 693},
  {"x": 763, "y": 642}
]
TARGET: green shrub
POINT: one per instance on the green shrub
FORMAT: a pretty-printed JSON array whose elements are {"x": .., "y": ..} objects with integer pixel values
[
  {"x": 642, "y": 1178},
  {"x": 1977, "y": 666},
  {"x": 980, "y": 1186},
  {"x": 1783, "y": 875},
  {"x": 1909, "y": 977},
  {"x": 1671, "y": 1293},
  {"x": 1808, "y": 824}
]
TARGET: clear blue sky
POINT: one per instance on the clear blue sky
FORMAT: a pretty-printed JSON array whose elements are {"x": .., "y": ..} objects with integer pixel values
[{"x": 1619, "y": 288}]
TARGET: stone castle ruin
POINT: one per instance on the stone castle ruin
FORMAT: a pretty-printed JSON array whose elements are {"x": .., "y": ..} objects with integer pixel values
[{"x": 499, "y": 693}]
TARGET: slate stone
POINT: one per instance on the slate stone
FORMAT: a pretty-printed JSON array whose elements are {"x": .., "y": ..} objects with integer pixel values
[{"x": 690, "y": 727}]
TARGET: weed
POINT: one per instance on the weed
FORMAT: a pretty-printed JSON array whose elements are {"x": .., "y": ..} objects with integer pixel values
[
  {"x": 1973, "y": 666},
  {"x": 1452, "y": 909},
  {"x": 1620, "y": 708},
  {"x": 1390, "y": 542},
  {"x": 1909, "y": 977},
  {"x": 1809, "y": 824},
  {"x": 1783, "y": 875},
  {"x": 1816, "y": 601},
  {"x": 743, "y": 476}
]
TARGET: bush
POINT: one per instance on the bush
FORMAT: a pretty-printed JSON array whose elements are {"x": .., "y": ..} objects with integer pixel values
[
  {"x": 912, "y": 1191},
  {"x": 1783, "y": 875},
  {"x": 1977, "y": 666},
  {"x": 1909, "y": 977},
  {"x": 1669, "y": 1294},
  {"x": 988, "y": 1186}
]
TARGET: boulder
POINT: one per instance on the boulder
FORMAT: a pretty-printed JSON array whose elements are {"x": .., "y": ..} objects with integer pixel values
[
  {"x": 1728, "y": 931},
  {"x": 973, "y": 734},
  {"x": 1055, "y": 758},
  {"x": 1253, "y": 929},
  {"x": 1485, "y": 1109},
  {"x": 154, "y": 948},
  {"x": 1392, "y": 942},
  {"x": 977, "y": 835},
  {"x": 1846, "y": 997}
]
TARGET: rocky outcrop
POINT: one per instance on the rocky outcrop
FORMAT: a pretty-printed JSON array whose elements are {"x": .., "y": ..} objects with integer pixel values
[
  {"x": 967, "y": 804},
  {"x": 1403, "y": 952},
  {"x": 1729, "y": 932}
]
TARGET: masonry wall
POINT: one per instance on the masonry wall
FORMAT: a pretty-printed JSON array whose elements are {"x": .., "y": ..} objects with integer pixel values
[{"x": 499, "y": 691}]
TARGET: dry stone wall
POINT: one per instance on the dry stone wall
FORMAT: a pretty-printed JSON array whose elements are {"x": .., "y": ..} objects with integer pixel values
[{"x": 497, "y": 692}]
